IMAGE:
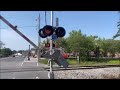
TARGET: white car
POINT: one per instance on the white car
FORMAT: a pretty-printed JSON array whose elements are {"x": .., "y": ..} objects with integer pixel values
[{"x": 17, "y": 55}]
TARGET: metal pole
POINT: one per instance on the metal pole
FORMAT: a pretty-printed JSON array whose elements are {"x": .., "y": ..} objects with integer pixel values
[
  {"x": 51, "y": 74},
  {"x": 29, "y": 53},
  {"x": 51, "y": 42},
  {"x": 0, "y": 33},
  {"x": 57, "y": 22},
  {"x": 51, "y": 36},
  {"x": 39, "y": 39}
]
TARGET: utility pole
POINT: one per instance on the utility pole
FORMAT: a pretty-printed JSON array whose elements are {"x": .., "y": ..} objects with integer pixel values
[
  {"x": 0, "y": 34},
  {"x": 39, "y": 39},
  {"x": 57, "y": 22}
]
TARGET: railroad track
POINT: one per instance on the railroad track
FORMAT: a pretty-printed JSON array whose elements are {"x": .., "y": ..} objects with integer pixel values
[
  {"x": 20, "y": 70},
  {"x": 6, "y": 70},
  {"x": 82, "y": 67}
]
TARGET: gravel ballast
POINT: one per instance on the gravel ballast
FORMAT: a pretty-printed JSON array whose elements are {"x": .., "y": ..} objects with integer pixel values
[{"x": 99, "y": 73}]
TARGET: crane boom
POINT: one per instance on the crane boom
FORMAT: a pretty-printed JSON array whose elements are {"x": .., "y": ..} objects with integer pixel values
[{"x": 16, "y": 30}]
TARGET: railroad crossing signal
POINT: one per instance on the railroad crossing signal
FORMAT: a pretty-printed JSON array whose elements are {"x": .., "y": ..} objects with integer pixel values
[
  {"x": 55, "y": 32},
  {"x": 60, "y": 32},
  {"x": 41, "y": 34},
  {"x": 48, "y": 45},
  {"x": 49, "y": 30}
]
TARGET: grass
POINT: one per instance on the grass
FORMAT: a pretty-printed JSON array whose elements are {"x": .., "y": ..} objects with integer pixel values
[
  {"x": 93, "y": 63},
  {"x": 72, "y": 62},
  {"x": 114, "y": 62},
  {"x": 87, "y": 63},
  {"x": 43, "y": 61}
]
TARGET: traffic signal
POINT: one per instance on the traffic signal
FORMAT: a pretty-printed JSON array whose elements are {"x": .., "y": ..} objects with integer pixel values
[
  {"x": 48, "y": 45},
  {"x": 48, "y": 30},
  {"x": 41, "y": 34},
  {"x": 60, "y": 32}
]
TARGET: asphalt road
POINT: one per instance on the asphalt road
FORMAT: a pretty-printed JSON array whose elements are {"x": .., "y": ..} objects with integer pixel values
[{"x": 20, "y": 68}]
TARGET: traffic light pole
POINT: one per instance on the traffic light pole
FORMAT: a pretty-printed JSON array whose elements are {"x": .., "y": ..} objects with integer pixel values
[{"x": 51, "y": 74}]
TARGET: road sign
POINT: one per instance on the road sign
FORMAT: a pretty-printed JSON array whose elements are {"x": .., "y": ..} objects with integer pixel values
[{"x": 54, "y": 37}]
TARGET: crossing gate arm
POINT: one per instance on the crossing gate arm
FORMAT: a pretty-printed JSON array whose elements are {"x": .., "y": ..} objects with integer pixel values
[{"x": 16, "y": 30}]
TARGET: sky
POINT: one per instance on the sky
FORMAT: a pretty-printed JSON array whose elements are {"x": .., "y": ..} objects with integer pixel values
[{"x": 100, "y": 23}]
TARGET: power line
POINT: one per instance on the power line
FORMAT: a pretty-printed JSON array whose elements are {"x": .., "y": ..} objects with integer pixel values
[{"x": 19, "y": 27}]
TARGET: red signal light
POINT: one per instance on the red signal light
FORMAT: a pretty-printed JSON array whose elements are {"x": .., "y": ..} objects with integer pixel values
[
  {"x": 48, "y": 30},
  {"x": 65, "y": 55},
  {"x": 47, "y": 45}
]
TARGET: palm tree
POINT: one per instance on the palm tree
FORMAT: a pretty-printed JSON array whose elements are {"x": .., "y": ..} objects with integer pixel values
[{"x": 118, "y": 33}]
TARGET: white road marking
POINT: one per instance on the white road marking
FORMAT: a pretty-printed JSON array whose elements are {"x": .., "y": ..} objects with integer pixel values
[
  {"x": 29, "y": 61},
  {"x": 23, "y": 62},
  {"x": 37, "y": 64},
  {"x": 37, "y": 77},
  {"x": 13, "y": 76}
]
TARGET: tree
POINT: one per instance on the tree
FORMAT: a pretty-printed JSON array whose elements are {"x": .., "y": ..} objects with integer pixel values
[
  {"x": 5, "y": 52},
  {"x": 46, "y": 41},
  {"x": 1, "y": 44},
  {"x": 77, "y": 42},
  {"x": 118, "y": 33},
  {"x": 14, "y": 51},
  {"x": 110, "y": 45},
  {"x": 61, "y": 42},
  {"x": 74, "y": 40},
  {"x": 20, "y": 51}
]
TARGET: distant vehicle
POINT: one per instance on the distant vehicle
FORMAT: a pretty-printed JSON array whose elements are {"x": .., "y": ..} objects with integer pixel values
[
  {"x": 17, "y": 55},
  {"x": 13, "y": 55}
]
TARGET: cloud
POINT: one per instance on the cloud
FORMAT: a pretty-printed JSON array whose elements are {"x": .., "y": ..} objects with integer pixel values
[{"x": 14, "y": 41}]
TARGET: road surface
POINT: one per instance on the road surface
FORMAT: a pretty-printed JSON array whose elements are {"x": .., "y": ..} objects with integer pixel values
[{"x": 21, "y": 68}]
